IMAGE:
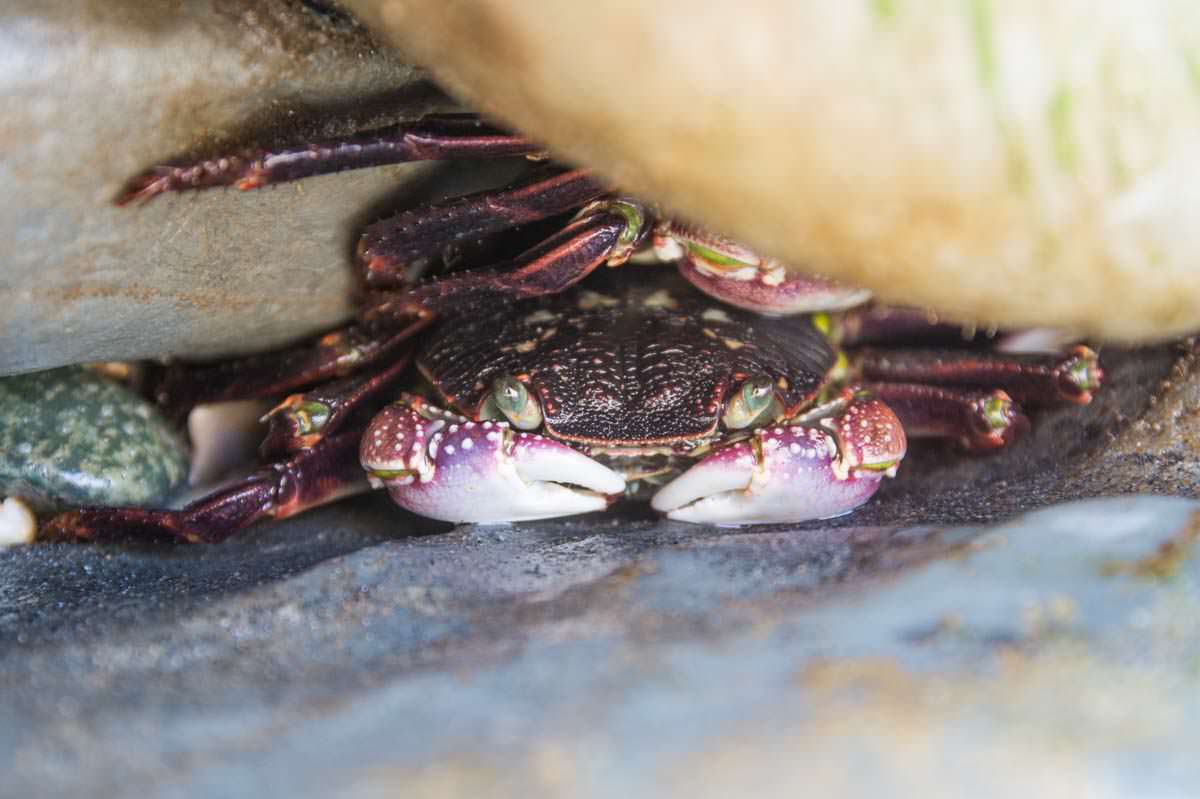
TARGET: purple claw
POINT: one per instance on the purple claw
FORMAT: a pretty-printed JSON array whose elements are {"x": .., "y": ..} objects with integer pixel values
[
  {"x": 733, "y": 273},
  {"x": 445, "y": 467},
  {"x": 791, "y": 473}
]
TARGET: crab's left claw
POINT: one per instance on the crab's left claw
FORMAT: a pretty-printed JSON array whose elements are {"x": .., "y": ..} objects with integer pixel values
[
  {"x": 445, "y": 467},
  {"x": 791, "y": 473}
]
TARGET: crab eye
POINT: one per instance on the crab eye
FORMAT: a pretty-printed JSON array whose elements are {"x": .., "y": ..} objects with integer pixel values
[
  {"x": 754, "y": 403},
  {"x": 512, "y": 401}
]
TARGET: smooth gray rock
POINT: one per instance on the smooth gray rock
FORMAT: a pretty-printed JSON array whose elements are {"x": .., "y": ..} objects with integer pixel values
[{"x": 94, "y": 93}]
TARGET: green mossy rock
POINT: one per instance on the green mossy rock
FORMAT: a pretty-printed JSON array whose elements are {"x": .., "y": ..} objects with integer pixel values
[{"x": 71, "y": 437}]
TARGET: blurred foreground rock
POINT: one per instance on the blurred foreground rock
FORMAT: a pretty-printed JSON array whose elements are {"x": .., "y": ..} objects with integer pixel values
[
  {"x": 1019, "y": 162},
  {"x": 937, "y": 170}
]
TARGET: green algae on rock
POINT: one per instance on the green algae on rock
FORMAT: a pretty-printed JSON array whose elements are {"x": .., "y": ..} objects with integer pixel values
[{"x": 71, "y": 437}]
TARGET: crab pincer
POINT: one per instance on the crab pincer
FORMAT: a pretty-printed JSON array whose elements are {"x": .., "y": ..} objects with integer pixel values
[
  {"x": 444, "y": 466},
  {"x": 824, "y": 465}
]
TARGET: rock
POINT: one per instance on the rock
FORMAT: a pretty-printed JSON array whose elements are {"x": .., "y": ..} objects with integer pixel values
[
  {"x": 953, "y": 627},
  {"x": 1016, "y": 163},
  {"x": 95, "y": 95},
  {"x": 18, "y": 525},
  {"x": 223, "y": 271},
  {"x": 344, "y": 653},
  {"x": 70, "y": 437}
]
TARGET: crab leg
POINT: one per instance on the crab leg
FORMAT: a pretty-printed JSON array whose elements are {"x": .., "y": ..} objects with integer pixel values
[
  {"x": 604, "y": 235},
  {"x": 301, "y": 420},
  {"x": 312, "y": 443},
  {"x": 390, "y": 248},
  {"x": 180, "y": 386},
  {"x": 733, "y": 273},
  {"x": 824, "y": 467},
  {"x": 978, "y": 420},
  {"x": 311, "y": 477},
  {"x": 1029, "y": 379},
  {"x": 435, "y": 137},
  {"x": 890, "y": 325},
  {"x": 446, "y": 467}
]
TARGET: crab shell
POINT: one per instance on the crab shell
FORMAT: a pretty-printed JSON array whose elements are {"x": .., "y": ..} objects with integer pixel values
[{"x": 629, "y": 374}]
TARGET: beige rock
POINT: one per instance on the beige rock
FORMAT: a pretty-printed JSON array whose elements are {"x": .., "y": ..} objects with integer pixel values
[{"x": 1019, "y": 162}]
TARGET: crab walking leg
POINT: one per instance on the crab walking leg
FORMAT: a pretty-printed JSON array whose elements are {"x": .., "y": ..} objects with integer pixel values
[
  {"x": 980, "y": 421},
  {"x": 791, "y": 473},
  {"x": 889, "y": 325},
  {"x": 445, "y": 467},
  {"x": 1035, "y": 380},
  {"x": 302, "y": 420},
  {"x": 604, "y": 236},
  {"x": 432, "y": 138},
  {"x": 311, "y": 477},
  {"x": 180, "y": 386},
  {"x": 391, "y": 248}
]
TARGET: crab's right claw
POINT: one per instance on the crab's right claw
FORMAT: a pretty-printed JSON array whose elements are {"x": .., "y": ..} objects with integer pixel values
[
  {"x": 791, "y": 473},
  {"x": 448, "y": 468}
]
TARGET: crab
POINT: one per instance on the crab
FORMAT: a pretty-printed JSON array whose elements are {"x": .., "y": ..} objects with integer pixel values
[{"x": 720, "y": 390}]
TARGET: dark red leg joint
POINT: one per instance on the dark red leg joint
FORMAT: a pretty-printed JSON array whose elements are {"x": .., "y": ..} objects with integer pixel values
[
  {"x": 429, "y": 139},
  {"x": 311, "y": 477},
  {"x": 388, "y": 249},
  {"x": 1032, "y": 380}
]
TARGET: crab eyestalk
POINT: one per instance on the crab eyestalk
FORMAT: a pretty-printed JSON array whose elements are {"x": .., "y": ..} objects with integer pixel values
[
  {"x": 733, "y": 273},
  {"x": 826, "y": 465},
  {"x": 511, "y": 401},
  {"x": 752, "y": 403}
]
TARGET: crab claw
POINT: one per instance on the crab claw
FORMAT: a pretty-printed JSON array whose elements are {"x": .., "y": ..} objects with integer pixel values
[
  {"x": 445, "y": 467},
  {"x": 733, "y": 273},
  {"x": 791, "y": 473}
]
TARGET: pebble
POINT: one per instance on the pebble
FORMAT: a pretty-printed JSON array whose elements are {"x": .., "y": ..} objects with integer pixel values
[
  {"x": 17, "y": 523},
  {"x": 69, "y": 437}
]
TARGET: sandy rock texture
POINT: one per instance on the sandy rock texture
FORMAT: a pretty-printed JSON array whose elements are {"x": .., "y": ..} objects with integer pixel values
[{"x": 1016, "y": 162}]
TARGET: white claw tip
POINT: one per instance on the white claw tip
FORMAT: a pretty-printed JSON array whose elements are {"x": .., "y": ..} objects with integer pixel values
[{"x": 561, "y": 464}]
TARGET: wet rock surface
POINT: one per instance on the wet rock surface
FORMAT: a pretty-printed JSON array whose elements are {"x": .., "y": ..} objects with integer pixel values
[
  {"x": 94, "y": 94},
  {"x": 907, "y": 649}
]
